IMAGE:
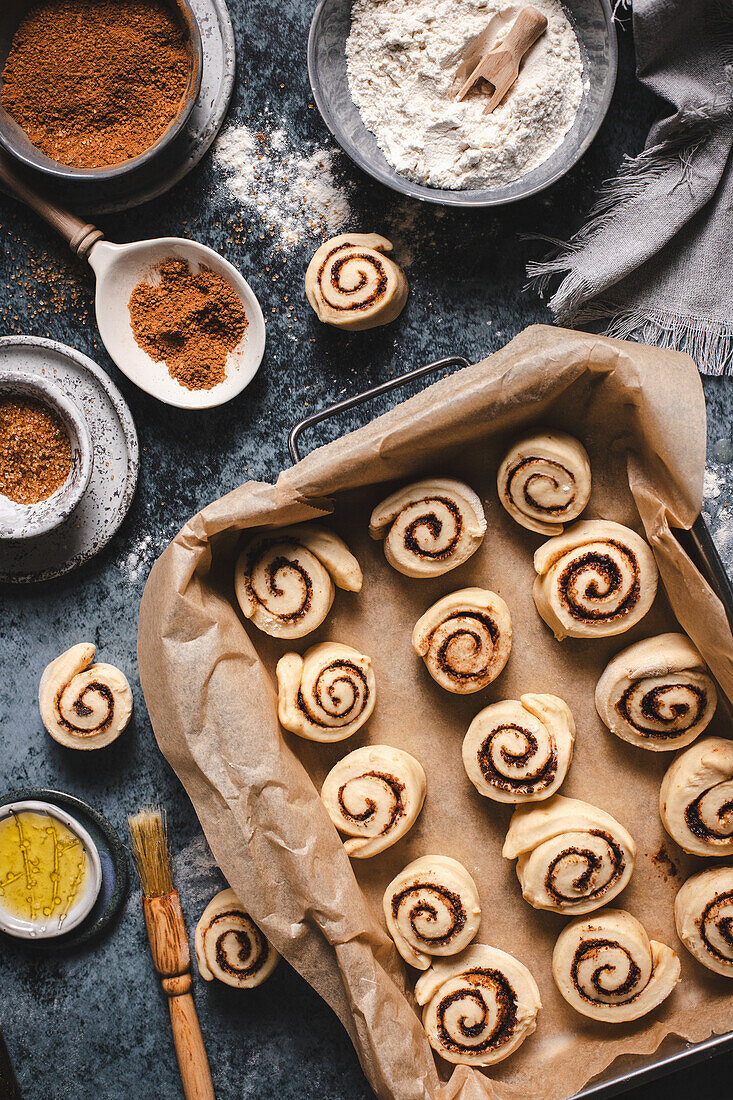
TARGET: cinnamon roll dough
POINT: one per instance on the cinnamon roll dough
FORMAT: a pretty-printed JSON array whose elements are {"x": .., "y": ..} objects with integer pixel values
[
  {"x": 84, "y": 705},
  {"x": 327, "y": 694},
  {"x": 607, "y": 968},
  {"x": 597, "y": 579},
  {"x": 374, "y": 795},
  {"x": 696, "y": 798},
  {"x": 544, "y": 481},
  {"x": 429, "y": 527},
  {"x": 703, "y": 914},
  {"x": 230, "y": 946},
  {"x": 431, "y": 908},
  {"x": 284, "y": 579},
  {"x": 465, "y": 639},
  {"x": 657, "y": 693},
  {"x": 351, "y": 284},
  {"x": 478, "y": 1007},
  {"x": 572, "y": 857},
  {"x": 519, "y": 750}
]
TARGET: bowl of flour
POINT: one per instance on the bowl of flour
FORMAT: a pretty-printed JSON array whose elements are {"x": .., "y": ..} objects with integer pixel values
[{"x": 383, "y": 76}]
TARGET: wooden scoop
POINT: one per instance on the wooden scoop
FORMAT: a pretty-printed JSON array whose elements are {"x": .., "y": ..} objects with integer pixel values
[{"x": 500, "y": 65}]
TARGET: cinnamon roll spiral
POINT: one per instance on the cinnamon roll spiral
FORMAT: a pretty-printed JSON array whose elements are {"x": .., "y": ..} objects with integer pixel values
[
  {"x": 431, "y": 908},
  {"x": 597, "y": 579},
  {"x": 230, "y": 946},
  {"x": 374, "y": 795},
  {"x": 696, "y": 798},
  {"x": 657, "y": 693},
  {"x": 520, "y": 750},
  {"x": 284, "y": 579},
  {"x": 465, "y": 639},
  {"x": 429, "y": 527},
  {"x": 327, "y": 694},
  {"x": 351, "y": 284},
  {"x": 84, "y": 705},
  {"x": 479, "y": 1007},
  {"x": 571, "y": 857},
  {"x": 544, "y": 481},
  {"x": 607, "y": 968},
  {"x": 703, "y": 913}
]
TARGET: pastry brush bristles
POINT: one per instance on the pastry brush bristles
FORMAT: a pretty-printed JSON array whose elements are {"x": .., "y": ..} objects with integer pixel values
[{"x": 150, "y": 849}]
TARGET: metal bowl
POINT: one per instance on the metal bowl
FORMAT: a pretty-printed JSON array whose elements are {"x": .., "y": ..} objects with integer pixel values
[{"x": 592, "y": 22}]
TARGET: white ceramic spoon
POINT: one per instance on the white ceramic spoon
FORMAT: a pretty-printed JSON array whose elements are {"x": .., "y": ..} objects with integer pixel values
[{"x": 118, "y": 268}]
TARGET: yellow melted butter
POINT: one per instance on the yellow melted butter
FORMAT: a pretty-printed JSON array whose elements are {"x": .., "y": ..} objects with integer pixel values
[{"x": 43, "y": 867}]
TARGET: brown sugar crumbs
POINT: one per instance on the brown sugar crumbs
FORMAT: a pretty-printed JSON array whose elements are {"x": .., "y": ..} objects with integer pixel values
[{"x": 35, "y": 450}]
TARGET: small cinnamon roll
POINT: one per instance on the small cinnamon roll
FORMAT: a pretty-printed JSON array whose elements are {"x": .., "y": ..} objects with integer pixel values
[
  {"x": 571, "y": 857},
  {"x": 326, "y": 695},
  {"x": 607, "y": 968},
  {"x": 374, "y": 795},
  {"x": 657, "y": 694},
  {"x": 431, "y": 908},
  {"x": 429, "y": 527},
  {"x": 465, "y": 639},
  {"x": 544, "y": 481},
  {"x": 230, "y": 946},
  {"x": 84, "y": 705},
  {"x": 284, "y": 579},
  {"x": 478, "y": 1007},
  {"x": 520, "y": 750},
  {"x": 696, "y": 798},
  {"x": 703, "y": 913},
  {"x": 597, "y": 579},
  {"x": 351, "y": 284}
]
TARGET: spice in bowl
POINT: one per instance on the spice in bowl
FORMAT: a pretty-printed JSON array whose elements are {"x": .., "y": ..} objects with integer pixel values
[{"x": 35, "y": 450}]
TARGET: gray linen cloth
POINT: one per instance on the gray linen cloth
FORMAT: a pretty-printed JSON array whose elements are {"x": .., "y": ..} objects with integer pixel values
[{"x": 656, "y": 255}]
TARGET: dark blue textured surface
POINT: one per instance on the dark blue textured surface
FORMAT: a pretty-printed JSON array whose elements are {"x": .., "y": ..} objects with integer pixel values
[{"x": 95, "y": 1024}]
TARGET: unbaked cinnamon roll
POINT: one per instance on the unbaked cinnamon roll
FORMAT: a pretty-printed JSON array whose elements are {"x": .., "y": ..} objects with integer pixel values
[
  {"x": 544, "y": 481},
  {"x": 431, "y": 908},
  {"x": 478, "y": 1007},
  {"x": 696, "y": 798},
  {"x": 571, "y": 857},
  {"x": 703, "y": 913},
  {"x": 327, "y": 694},
  {"x": 607, "y": 968},
  {"x": 465, "y": 639},
  {"x": 429, "y": 527},
  {"x": 657, "y": 693},
  {"x": 230, "y": 946},
  {"x": 84, "y": 705},
  {"x": 351, "y": 283},
  {"x": 374, "y": 795},
  {"x": 519, "y": 750},
  {"x": 597, "y": 579},
  {"x": 284, "y": 579}
]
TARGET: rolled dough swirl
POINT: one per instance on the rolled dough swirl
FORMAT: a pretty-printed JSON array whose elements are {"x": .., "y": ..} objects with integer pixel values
[
  {"x": 465, "y": 639},
  {"x": 284, "y": 579},
  {"x": 351, "y": 284},
  {"x": 597, "y": 579},
  {"x": 429, "y": 527},
  {"x": 571, "y": 857},
  {"x": 374, "y": 795},
  {"x": 327, "y": 694},
  {"x": 478, "y": 1007},
  {"x": 230, "y": 946},
  {"x": 520, "y": 750},
  {"x": 84, "y": 705},
  {"x": 607, "y": 968},
  {"x": 544, "y": 481},
  {"x": 696, "y": 798},
  {"x": 657, "y": 693},
  {"x": 703, "y": 913},
  {"x": 431, "y": 908}
]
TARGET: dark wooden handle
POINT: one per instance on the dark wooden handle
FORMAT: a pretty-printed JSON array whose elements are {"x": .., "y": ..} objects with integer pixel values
[
  {"x": 193, "y": 1063},
  {"x": 9, "y": 1089},
  {"x": 524, "y": 32}
]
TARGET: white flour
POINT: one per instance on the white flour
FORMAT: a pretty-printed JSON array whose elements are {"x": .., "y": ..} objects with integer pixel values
[{"x": 402, "y": 57}]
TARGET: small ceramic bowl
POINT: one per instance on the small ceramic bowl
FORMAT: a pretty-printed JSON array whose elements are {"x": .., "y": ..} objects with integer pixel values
[
  {"x": 23, "y": 521},
  {"x": 82, "y": 906}
]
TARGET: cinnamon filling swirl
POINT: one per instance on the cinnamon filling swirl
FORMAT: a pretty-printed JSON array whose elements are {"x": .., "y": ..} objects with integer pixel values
[
  {"x": 528, "y": 782},
  {"x": 467, "y": 668},
  {"x": 334, "y": 279},
  {"x": 392, "y": 785},
  {"x": 251, "y": 950},
  {"x": 592, "y": 950},
  {"x": 334, "y": 700},
  {"x": 578, "y": 599},
  {"x": 712, "y": 917},
  {"x": 724, "y": 813},
  {"x": 426, "y": 910},
  {"x": 273, "y": 588},
  {"x": 81, "y": 709},
  {"x": 558, "y": 476},
  {"x": 592, "y": 863},
  {"x": 434, "y": 525},
  {"x": 678, "y": 716},
  {"x": 506, "y": 1005}
]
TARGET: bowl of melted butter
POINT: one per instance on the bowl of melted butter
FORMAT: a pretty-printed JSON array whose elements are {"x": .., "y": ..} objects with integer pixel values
[{"x": 50, "y": 871}]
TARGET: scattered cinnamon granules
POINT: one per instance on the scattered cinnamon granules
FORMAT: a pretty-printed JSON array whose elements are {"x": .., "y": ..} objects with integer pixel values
[
  {"x": 190, "y": 319},
  {"x": 35, "y": 450}
]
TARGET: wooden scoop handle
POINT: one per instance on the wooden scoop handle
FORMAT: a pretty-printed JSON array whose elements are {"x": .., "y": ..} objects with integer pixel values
[{"x": 524, "y": 32}]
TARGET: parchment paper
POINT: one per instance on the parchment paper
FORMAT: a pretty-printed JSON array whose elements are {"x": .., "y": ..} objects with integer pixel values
[{"x": 208, "y": 679}]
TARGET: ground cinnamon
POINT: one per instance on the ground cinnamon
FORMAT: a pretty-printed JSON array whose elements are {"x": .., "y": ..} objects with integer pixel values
[
  {"x": 190, "y": 319},
  {"x": 35, "y": 451},
  {"x": 96, "y": 82}
]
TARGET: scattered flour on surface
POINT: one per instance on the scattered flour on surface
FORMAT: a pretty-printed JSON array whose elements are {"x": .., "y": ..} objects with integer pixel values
[{"x": 138, "y": 559}]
